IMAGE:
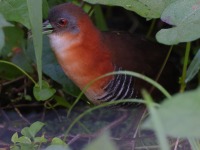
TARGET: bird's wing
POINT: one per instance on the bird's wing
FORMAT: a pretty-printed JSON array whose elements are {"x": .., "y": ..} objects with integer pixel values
[{"x": 135, "y": 53}]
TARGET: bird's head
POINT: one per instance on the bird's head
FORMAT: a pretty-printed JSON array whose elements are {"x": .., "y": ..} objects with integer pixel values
[{"x": 65, "y": 18}]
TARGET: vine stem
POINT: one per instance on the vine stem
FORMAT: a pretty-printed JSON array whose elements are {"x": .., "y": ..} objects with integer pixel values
[{"x": 24, "y": 72}]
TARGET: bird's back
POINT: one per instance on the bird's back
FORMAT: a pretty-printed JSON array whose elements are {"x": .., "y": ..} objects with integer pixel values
[{"x": 135, "y": 53}]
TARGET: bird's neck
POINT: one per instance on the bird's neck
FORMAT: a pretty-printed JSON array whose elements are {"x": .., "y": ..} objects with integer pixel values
[{"x": 83, "y": 58}]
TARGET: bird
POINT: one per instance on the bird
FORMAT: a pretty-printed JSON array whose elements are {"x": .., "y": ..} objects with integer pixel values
[{"x": 85, "y": 53}]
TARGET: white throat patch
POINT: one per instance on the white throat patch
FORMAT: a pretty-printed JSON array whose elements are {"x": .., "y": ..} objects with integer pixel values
[{"x": 62, "y": 43}]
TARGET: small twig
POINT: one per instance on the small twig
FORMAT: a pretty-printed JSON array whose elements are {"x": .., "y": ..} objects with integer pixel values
[
  {"x": 162, "y": 68},
  {"x": 5, "y": 115},
  {"x": 9, "y": 128},
  {"x": 23, "y": 87},
  {"x": 12, "y": 81},
  {"x": 74, "y": 139},
  {"x": 49, "y": 104},
  {"x": 43, "y": 114},
  {"x": 176, "y": 144},
  {"x": 114, "y": 123},
  {"x": 19, "y": 113},
  {"x": 138, "y": 127},
  {"x": 22, "y": 105}
]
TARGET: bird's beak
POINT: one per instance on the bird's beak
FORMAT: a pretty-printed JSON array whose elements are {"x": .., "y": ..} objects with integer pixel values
[{"x": 47, "y": 27}]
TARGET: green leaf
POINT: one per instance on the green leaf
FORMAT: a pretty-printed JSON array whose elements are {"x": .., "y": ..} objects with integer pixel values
[
  {"x": 57, "y": 141},
  {"x": 86, "y": 7},
  {"x": 36, "y": 127},
  {"x": 15, "y": 147},
  {"x": 21, "y": 60},
  {"x": 3, "y": 23},
  {"x": 14, "y": 38},
  {"x": 60, "y": 101},
  {"x": 27, "y": 98},
  {"x": 45, "y": 9},
  {"x": 24, "y": 146},
  {"x": 146, "y": 8},
  {"x": 31, "y": 131},
  {"x": 195, "y": 144},
  {"x": 44, "y": 93},
  {"x": 35, "y": 15},
  {"x": 41, "y": 139},
  {"x": 179, "y": 115},
  {"x": 184, "y": 16},
  {"x": 26, "y": 132},
  {"x": 99, "y": 18},
  {"x": 57, "y": 144},
  {"x": 193, "y": 68},
  {"x": 103, "y": 142},
  {"x": 24, "y": 140},
  {"x": 57, "y": 147},
  {"x": 15, "y": 10},
  {"x": 14, "y": 137}
]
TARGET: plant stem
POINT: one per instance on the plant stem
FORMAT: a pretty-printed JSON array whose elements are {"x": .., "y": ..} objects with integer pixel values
[
  {"x": 162, "y": 67},
  {"x": 151, "y": 28},
  {"x": 186, "y": 58}
]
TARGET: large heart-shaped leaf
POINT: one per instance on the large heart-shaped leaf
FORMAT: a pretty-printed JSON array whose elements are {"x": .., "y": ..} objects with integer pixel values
[
  {"x": 43, "y": 93},
  {"x": 15, "y": 10},
  {"x": 184, "y": 16},
  {"x": 146, "y": 8},
  {"x": 180, "y": 115}
]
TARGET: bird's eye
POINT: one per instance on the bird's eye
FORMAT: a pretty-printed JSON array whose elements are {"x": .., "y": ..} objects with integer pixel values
[{"x": 62, "y": 22}]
